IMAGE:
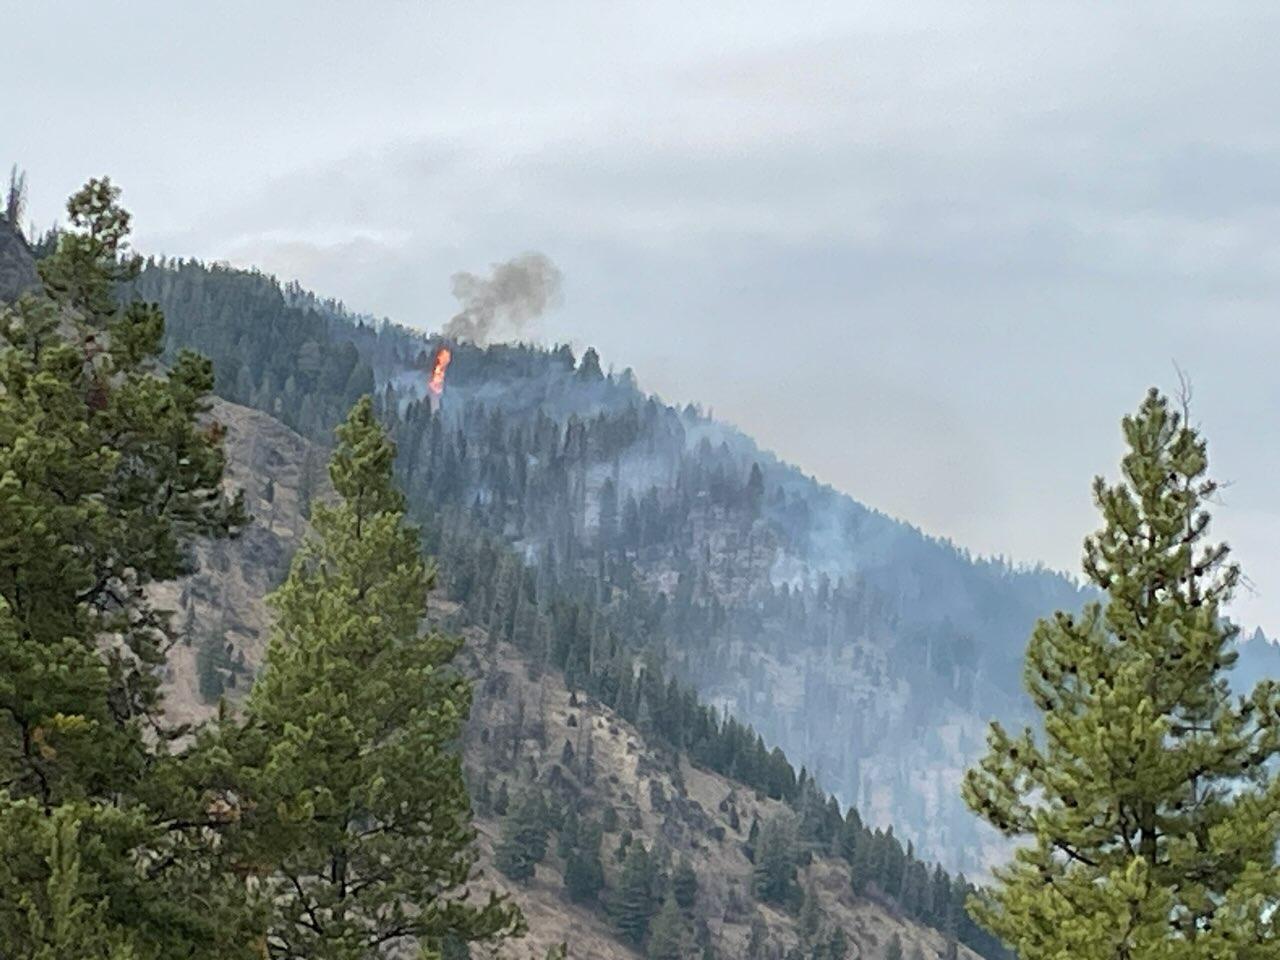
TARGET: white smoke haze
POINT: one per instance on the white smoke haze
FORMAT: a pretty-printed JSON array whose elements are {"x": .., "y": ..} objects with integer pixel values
[{"x": 500, "y": 304}]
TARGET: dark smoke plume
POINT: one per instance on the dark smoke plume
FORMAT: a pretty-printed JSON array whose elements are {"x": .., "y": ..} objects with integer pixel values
[{"x": 501, "y": 303}]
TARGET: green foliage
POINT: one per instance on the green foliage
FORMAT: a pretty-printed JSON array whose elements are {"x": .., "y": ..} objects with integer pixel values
[
  {"x": 348, "y": 743},
  {"x": 1150, "y": 804},
  {"x": 583, "y": 871},
  {"x": 109, "y": 467},
  {"x": 684, "y": 885},
  {"x": 810, "y": 918},
  {"x": 569, "y": 835},
  {"x": 774, "y": 874},
  {"x": 633, "y": 901},
  {"x": 518, "y": 466},
  {"x": 893, "y": 950},
  {"x": 68, "y": 912},
  {"x": 274, "y": 348},
  {"x": 667, "y": 937},
  {"x": 523, "y": 844}
]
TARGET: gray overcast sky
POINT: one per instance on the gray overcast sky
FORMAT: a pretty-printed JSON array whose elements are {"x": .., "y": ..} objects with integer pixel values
[{"x": 930, "y": 252}]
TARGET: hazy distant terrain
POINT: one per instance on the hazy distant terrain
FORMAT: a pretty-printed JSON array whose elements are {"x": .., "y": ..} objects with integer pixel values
[{"x": 871, "y": 653}]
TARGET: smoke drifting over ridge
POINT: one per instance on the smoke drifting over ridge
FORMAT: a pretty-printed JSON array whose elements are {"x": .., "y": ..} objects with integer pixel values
[{"x": 501, "y": 303}]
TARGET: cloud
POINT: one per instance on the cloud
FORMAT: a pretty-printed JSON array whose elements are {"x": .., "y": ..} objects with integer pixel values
[{"x": 983, "y": 227}]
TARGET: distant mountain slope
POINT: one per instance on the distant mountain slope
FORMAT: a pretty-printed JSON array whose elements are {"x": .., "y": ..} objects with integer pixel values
[
  {"x": 528, "y": 732},
  {"x": 17, "y": 268},
  {"x": 1259, "y": 660},
  {"x": 866, "y": 650},
  {"x": 871, "y": 653}
]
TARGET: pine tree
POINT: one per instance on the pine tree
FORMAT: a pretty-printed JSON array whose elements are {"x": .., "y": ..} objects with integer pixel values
[
  {"x": 1150, "y": 804},
  {"x": 773, "y": 879},
  {"x": 583, "y": 871},
  {"x": 684, "y": 884},
  {"x": 583, "y": 876},
  {"x": 66, "y": 916},
  {"x": 350, "y": 734},
  {"x": 633, "y": 902},
  {"x": 523, "y": 844},
  {"x": 893, "y": 951},
  {"x": 570, "y": 834},
  {"x": 666, "y": 938},
  {"x": 810, "y": 918},
  {"x": 109, "y": 468}
]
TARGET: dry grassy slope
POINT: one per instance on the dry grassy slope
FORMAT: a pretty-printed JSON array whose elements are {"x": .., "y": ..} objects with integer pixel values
[
  {"x": 222, "y": 603},
  {"x": 613, "y": 764}
]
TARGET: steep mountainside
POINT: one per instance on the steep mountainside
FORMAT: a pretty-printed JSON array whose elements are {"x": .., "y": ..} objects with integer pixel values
[
  {"x": 530, "y": 736},
  {"x": 220, "y": 611},
  {"x": 869, "y": 652}
]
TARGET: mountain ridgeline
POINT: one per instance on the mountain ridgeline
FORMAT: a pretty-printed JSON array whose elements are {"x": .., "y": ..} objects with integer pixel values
[
  {"x": 535, "y": 591},
  {"x": 869, "y": 652}
]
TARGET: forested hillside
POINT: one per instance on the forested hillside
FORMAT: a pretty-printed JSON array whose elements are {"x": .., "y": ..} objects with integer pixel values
[
  {"x": 870, "y": 652},
  {"x": 566, "y": 783}
]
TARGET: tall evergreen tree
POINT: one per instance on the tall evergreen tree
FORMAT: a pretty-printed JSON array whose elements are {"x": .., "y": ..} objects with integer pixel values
[
  {"x": 583, "y": 871},
  {"x": 109, "y": 468},
  {"x": 633, "y": 901},
  {"x": 1150, "y": 803},
  {"x": 523, "y": 844},
  {"x": 350, "y": 735},
  {"x": 774, "y": 875}
]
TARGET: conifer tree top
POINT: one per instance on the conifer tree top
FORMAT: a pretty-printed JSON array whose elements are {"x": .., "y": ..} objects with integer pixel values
[{"x": 1150, "y": 803}]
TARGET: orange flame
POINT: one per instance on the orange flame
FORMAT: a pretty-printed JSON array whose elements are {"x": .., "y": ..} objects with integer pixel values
[{"x": 436, "y": 384}]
